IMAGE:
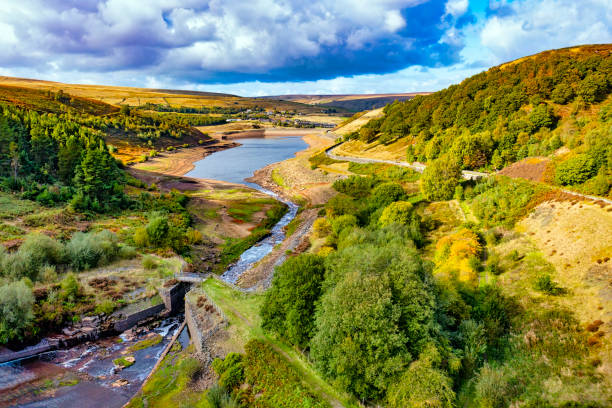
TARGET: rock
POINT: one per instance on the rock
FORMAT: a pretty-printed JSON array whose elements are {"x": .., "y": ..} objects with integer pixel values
[
  {"x": 69, "y": 332},
  {"x": 120, "y": 383}
]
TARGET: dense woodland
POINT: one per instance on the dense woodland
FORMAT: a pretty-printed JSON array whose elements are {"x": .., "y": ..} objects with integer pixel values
[{"x": 530, "y": 107}]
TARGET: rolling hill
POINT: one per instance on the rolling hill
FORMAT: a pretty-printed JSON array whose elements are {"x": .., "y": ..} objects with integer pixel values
[
  {"x": 355, "y": 102},
  {"x": 555, "y": 105},
  {"x": 118, "y": 95}
]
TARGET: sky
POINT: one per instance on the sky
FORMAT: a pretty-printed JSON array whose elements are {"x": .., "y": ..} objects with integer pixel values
[{"x": 265, "y": 47}]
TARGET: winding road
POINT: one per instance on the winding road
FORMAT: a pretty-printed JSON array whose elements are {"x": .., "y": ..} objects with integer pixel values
[{"x": 420, "y": 167}]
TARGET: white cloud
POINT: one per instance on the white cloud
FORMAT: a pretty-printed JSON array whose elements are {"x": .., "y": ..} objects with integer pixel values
[
  {"x": 538, "y": 25},
  {"x": 456, "y": 8}
]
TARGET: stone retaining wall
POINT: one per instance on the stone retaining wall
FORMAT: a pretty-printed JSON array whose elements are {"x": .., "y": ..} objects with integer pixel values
[
  {"x": 203, "y": 321},
  {"x": 133, "y": 319}
]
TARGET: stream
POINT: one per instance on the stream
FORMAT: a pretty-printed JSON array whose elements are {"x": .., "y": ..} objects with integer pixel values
[
  {"x": 253, "y": 154},
  {"x": 85, "y": 375}
]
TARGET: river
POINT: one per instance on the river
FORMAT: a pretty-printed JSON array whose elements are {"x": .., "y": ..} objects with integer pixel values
[
  {"x": 92, "y": 362},
  {"x": 253, "y": 154}
]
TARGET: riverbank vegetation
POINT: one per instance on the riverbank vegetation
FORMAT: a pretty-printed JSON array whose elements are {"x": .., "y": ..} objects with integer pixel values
[{"x": 69, "y": 207}]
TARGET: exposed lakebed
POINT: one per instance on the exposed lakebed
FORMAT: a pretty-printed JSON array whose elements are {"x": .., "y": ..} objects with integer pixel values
[
  {"x": 84, "y": 375},
  {"x": 237, "y": 164}
]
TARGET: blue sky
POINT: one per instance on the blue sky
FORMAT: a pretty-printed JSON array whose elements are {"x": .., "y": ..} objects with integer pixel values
[{"x": 265, "y": 47}]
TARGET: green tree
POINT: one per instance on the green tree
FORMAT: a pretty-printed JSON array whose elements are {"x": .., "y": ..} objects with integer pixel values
[
  {"x": 575, "y": 170},
  {"x": 289, "y": 305},
  {"x": 376, "y": 312},
  {"x": 562, "y": 94},
  {"x": 386, "y": 193},
  {"x": 440, "y": 178},
  {"x": 400, "y": 212},
  {"x": 16, "y": 311},
  {"x": 422, "y": 386},
  {"x": 68, "y": 159}
]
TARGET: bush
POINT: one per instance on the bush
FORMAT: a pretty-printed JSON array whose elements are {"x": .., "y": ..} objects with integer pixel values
[
  {"x": 35, "y": 253},
  {"x": 321, "y": 227},
  {"x": 230, "y": 371},
  {"x": 386, "y": 193},
  {"x": 544, "y": 283},
  {"x": 191, "y": 368},
  {"x": 400, "y": 212},
  {"x": 70, "y": 287},
  {"x": 355, "y": 186},
  {"x": 338, "y": 224},
  {"x": 141, "y": 238},
  {"x": 149, "y": 262},
  {"x": 440, "y": 178},
  {"x": 422, "y": 386},
  {"x": 157, "y": 229},
  {"x": 105, "y": 307},
  {"x": 89, "y": 250},
  {"x": 16, "y": 311},
  {"x": 575, "y": 170}
]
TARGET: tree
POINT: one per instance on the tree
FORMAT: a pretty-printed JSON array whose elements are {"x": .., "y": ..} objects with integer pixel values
[
  {"x": 289, "y": 305},
  {"x": 16, "y": 313},
  {"x": 386, "y": 193},
  {"x": 422, "y": 386},
  {"x": 562, "y": 94},
  {"x": 375, "y": 314},
  {"x": 575, "y": 170},
  {"x": 98, "y": 179},
  {"x": 440, "y": 178},
  {"x": 400, "y": 212}
]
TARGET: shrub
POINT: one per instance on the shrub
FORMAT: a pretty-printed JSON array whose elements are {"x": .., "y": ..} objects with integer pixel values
[
  {"x": 193, "y": 236},
  {"x": 400, "y": 212},
  {"x": 386, "y": 193},
  {"x": 544, "y": 283},
  {"x": 105, "y": 307},
  {"x": 70, "y": 287},
  {"x": 355, "y": 186},
  {"x": 338, "y": 224},
  {"x": 16, "y": 311},
  {"x": 575, "y": 170},
  {"x": 149, "y": 262},
  {"x": 440, "y": 178},
  {"x": 230, "y": 370},
  {"x": 321, "y": 227},
  {"x": 191, "y": 368},
  {"x": 89, "y": 250},
  {"x": 141, "y": 238},
  {"x": 36, "y": 252},
  {"x": 422, "y": 386},
  {"x": 157, "y": 229}
]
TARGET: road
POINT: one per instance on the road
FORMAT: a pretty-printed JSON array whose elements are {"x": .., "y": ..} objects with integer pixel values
[{"x": 420, "y": 167}]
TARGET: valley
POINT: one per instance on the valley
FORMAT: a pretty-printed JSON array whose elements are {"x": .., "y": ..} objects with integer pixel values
[{"x": 174, "y": 248}]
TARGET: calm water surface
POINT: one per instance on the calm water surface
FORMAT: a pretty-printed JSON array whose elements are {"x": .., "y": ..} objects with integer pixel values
[
  {"x": 234, "y": 165},
  {"x": 238, "y": 163}
]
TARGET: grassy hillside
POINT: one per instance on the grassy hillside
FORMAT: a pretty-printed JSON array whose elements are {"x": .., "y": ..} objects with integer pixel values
[
  {"x": 353, "y": 103},
  {"x": 555, "y": 104},
  {"x": 118, "y": 95}
]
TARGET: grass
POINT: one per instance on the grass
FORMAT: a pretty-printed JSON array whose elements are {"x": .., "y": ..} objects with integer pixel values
[
  {"x": 242, "y": 311},
  {"x": 278, "y": 179},
  {"x": 169, "y": 385},
  {"x": 8, "y": 232},
  {"x": 12, "y": 207},
  {"x": 123, "y": 362},
  {"x": 146, "y": 343}
]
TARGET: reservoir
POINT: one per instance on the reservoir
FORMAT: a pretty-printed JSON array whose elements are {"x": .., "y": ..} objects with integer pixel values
[{"x": 236, "y": 164}]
